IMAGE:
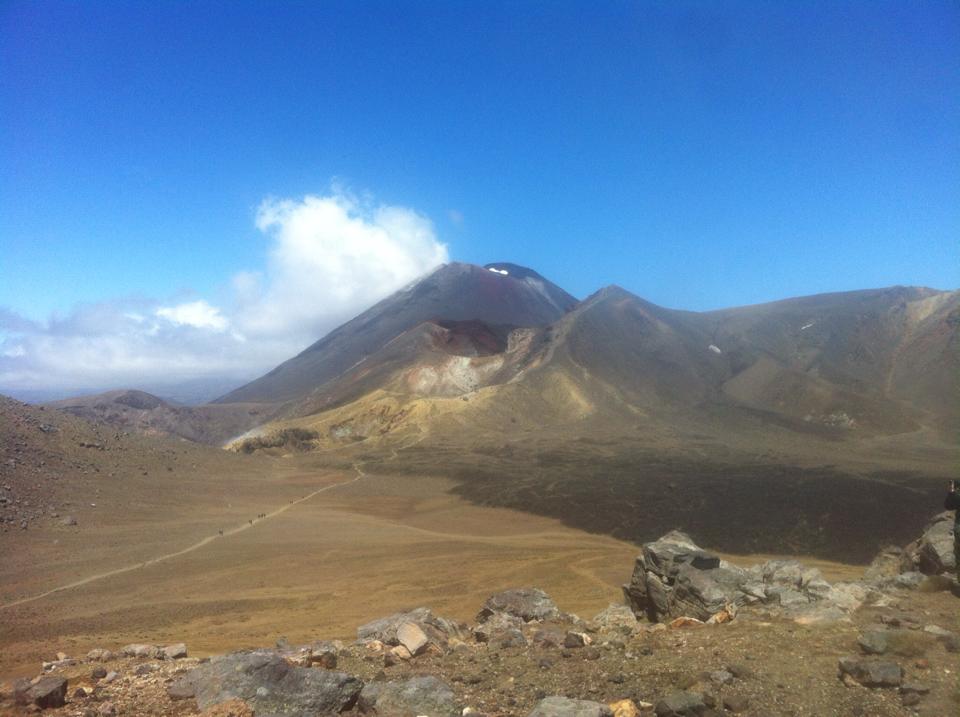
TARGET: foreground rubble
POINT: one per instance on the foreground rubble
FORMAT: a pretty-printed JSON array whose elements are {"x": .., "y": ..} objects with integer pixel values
[{"x": 712, "y": 638}]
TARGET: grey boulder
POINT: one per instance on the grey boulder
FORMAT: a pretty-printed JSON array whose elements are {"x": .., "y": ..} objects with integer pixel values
[
  {"x": 680, "y": 704},
  {"x": 175, "y": 652},
  {"x": 495, "y": 625},
  {"x": 874, "y": 642},
  {"x": 528, "y": 604},
  {"x": 674, "y": 577},
  {"x": 419, "y": 696},
  {"x": 45, "y": 693},
  {"x": 872, "y": 673},
  {"x": 566, "y": 707},
  {"x": 932, "y": 553},
  {"x": 269, "y": 684},
  {"x": 436, "y": 629}
]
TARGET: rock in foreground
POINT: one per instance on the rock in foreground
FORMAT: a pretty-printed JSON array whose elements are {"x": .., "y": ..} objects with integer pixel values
[
  {"x": 269, "y": 684},
  {"x": 419, "y": 696},
  {"x": 45, "y": 693},
  {"x": 566, "y": 707},
  {"x": 528, "y": 604}
]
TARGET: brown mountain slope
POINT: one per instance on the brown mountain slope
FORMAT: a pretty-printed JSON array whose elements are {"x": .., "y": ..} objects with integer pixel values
[
  {"x": 860, "y": 364},
  {"x": 837, "y": 360}
]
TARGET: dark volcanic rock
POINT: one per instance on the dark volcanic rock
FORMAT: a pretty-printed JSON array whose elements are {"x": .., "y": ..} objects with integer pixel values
[
  {"x": 526, "y": 603},
  {"x": 46, "y": 693},
  {"x": 270, "y": 684},
  {"x": 680, "y": 704},
  {"x": 426, "y": 696},
  {"x": 872, "y": 673},
  {"x": 575, "y": 639},
  {"x": 874, "y": 642}
]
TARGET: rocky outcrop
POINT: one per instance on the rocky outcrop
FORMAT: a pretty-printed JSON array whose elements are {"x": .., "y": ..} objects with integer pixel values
[
  {"x": 607, "y": 658},
  {"x": 528, "y": 604},
  {"x": 419, "y": 626},
  {"x": 932, "y": 553},
  {"x": 673, "y": 577},
  {"x": 270, "y": 684}
]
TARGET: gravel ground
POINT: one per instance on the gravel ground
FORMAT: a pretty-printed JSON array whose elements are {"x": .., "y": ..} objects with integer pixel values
[{"x": 760, "y": 666}]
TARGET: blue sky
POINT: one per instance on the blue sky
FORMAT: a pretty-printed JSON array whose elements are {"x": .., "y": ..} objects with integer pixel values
[{"x": 701, "y": 154}]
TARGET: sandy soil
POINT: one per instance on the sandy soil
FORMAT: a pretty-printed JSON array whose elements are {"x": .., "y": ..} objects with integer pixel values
[{"x": 319, "y": 568}]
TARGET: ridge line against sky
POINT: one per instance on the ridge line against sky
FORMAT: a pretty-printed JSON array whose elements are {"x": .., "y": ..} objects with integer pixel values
[{"x": 167, "y": 208}]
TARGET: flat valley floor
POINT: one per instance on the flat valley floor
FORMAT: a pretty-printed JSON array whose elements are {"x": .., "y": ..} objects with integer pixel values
[{"x": 334, "y": 550}]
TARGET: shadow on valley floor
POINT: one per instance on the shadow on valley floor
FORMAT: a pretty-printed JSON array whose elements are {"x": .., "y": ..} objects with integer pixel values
[{"x": 740, "y": 508}]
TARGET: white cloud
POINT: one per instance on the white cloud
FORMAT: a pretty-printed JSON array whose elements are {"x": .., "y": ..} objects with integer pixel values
[
  {"x": 329, "y": 258},
  {"x": 198, "y": 314}
]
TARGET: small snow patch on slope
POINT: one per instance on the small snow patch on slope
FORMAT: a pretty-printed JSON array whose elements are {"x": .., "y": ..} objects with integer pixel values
[
  {"x": 502, "y": 272},
  {"x": 715, "y": 349}
]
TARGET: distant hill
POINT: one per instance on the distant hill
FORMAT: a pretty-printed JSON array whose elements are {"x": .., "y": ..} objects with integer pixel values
[{"x": 132, "y": 410}]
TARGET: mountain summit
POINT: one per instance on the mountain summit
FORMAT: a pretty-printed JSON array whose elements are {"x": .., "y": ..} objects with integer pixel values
[{"x": 499, "y": 294}]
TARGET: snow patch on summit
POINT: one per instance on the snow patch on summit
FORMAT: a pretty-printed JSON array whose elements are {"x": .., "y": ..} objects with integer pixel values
[{"x": 502, "y": 272}]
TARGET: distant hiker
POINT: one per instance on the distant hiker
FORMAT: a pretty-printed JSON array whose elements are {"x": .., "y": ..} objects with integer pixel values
[{"x": 953, "y": 503}]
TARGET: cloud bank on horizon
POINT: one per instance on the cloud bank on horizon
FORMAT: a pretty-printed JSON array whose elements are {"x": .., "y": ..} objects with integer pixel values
[{"x": 329, "y": 258}]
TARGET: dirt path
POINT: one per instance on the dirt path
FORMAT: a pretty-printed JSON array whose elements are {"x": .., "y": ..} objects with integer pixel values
[
  {"x": 196, "y": 546},
  {"x": 514, "y": 538}
]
